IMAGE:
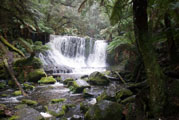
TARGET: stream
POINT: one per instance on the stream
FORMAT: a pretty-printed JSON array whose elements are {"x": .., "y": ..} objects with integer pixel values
[{"x": 69, "y": 57}]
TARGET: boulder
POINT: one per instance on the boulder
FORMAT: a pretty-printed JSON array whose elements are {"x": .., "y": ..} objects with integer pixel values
[
  {"x": 105, "y": 110},
  {"x": 47, "y": 80},
  {"x": 57, "y": 110},
  {"x": 97, "y": 78},
  {"x": 17, "y": 93},
  {"x": 79, "y": 85},
  {"x": 28, "y": 113},
  {"x": 36, "y": 75}
]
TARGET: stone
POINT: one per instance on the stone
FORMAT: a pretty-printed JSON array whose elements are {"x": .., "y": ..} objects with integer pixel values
[
  {"x": 36, "y": 75},
  {"x": 79, "y": 85},
  {"x": 27, "y": 86},
  {"x": 47, "y": 80},
  {"x": 28, "y": 113},
  {"x": 97, "y": 78},
  {"x": 105, "y": 110}
]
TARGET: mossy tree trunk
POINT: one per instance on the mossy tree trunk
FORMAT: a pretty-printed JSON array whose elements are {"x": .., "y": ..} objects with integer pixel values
[
  {"x": 154, "y": 73},
  {"x": 170, "y": 40}
]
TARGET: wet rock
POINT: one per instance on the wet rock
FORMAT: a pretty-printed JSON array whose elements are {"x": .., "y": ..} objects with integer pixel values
[
  {"x": 79, "y": 85},
  {"x": 28, "y": 113},
  {"x": 97, "y": 78},
  {"x": 57, "y": 110},
  {"x": 122, "y": 94},
  {"x": 4, "y": 111},
  {"x": 105, "y": 110},
  {"x": 36, "y": 75},
  {"x": 47, "y": 80},
  {"x": 93, "y": 91}
]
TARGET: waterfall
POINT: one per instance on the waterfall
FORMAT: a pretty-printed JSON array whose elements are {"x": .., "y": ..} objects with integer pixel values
[{"x": 74, "y": 54}]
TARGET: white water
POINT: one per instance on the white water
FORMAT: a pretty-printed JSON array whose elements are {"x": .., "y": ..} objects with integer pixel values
[{"x": 82, "y": 56}]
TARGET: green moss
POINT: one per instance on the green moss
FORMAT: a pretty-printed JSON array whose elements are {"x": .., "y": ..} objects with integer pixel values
[
  {"x": 17, "y": 93},
  {"x": 2, "y": 85},
  {"x": 59, "y": 79},
  {"x": 27, "y": 86},
  {"x": 34, "y": 62},
  {"x": 4, "y": 95},
  {"x": 14, "y": 117},
  {"x": 83, "y": 108},
  {"x": 59, "y": 114},
  {"x": 47, "y": 80},
  {"x": 29, "y": 102},
  {"x": 36, "y": 75},
  {"x": 20, "y": 106},
  {"x": 66, "y": 81},
  {"x": 103, "y": 96},
  {"x": 58, "y": 100},
  {"x": 98, "y": 78},
  {"x": 122, "y": 94}
]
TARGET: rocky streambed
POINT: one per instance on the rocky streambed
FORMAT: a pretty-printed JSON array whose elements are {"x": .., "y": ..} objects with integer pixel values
[{"x": 99, "y": 96}]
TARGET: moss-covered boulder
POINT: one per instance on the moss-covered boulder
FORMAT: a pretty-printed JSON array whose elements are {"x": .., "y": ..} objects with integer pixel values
[
  {"x": 79, "y": 85},
  {"x": 36, "y": 75},
  {"x": 29, "y": 102},
  {"x": 34, "y": 62},
  {"x": 105, "y": 110},
  {"x": 58, "y": 100},
  {"x": 57, "y": 110},
  {"x": 123, "y": 93},
  {"x": 98, "y": 78},
  {"x": 17, "y": 93},
  {"x": 25, "y": 112},
  {"x": 47, "y": 80}
]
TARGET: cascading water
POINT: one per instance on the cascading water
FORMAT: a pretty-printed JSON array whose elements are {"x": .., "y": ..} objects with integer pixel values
[{"x": 75, "y": 54}]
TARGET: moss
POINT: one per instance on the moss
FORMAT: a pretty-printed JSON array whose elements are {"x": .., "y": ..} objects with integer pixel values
[
  {"x": 105, "y": 111},
  {"x": 27, "y": 86},
  {"x": 83, "y": 108},
  {"x": 47, "y": 80},
  {"x": 34, "y": 62},
  {"x": 98, "y": 78},
  {"x": 59, "y": 114},
  {"x": 103, "y": 96},
  {"x": 58, "y": 100},
  {"x": 36, "y": 75},
  {"x": 17, "y": 93},
  {"x": 59, "y": 79},
  {"x": 29, "y": 102},
  {"x": 123, "y": 93},
  {"x": 2, "y": 85},
  {"x": 66, "y": 81},
  {"x": 14, "y": 117},
  {"x": 20, "y": 106},
  {"x": 4, "y": 95}
]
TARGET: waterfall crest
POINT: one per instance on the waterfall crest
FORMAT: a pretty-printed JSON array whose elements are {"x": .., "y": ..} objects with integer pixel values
[{"x": 75, "y": 54}]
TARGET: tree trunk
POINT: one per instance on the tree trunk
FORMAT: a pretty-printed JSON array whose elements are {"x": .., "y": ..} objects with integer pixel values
[
  {"x": 155, "y": 76},
  {"x": 170, "y": 40},
  {"x": 11, "y": 72}
]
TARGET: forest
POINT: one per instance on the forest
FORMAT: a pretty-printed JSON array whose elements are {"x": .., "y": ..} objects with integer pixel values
[{"x": 89, "y": 60}]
